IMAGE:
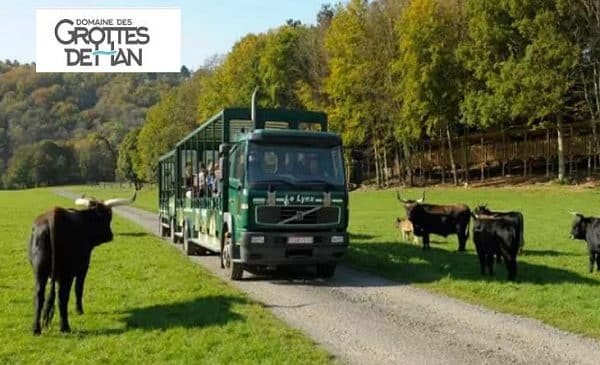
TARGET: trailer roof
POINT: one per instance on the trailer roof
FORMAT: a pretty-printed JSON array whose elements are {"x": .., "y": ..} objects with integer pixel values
[
  {"x": 263, "y": 115},
  {"x": 293, "y": 118}
]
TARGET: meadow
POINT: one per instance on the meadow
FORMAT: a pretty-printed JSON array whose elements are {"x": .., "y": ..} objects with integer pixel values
[
  {"x": 144, "y": 302},
  {"x": 553, "y": 282}
]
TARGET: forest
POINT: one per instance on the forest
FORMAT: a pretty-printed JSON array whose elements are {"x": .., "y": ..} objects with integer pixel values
[{"x": 421, "y": 89}]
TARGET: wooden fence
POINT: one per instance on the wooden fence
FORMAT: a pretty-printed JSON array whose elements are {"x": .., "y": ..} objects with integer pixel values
[{"x": 500, "y": 153}]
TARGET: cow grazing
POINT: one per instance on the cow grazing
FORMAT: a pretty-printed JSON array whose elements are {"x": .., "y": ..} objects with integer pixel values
[
  {"x": 60, "y": 247},
  {"x": 495, "y": 235},
  {"x": 441, "y": 220},
  {"x": 406, "y": 230},
  {"x": 588, "y": 229}
]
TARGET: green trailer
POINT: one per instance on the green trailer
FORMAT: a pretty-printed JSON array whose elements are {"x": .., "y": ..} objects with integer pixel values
[{"x": 263, "y": 188}]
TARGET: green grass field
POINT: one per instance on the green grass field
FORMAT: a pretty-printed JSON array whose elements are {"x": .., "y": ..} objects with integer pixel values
[
  {"x": 145, "y": 303},
  {"x": 147, "y": 198},
  {"x": 553, "y": 285}
]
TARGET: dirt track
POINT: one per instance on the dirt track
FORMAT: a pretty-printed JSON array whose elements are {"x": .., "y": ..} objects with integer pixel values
[{"x": 364, "y": 319}]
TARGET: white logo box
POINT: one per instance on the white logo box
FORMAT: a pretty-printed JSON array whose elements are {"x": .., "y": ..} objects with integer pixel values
[{"x": 126, "y": 28}]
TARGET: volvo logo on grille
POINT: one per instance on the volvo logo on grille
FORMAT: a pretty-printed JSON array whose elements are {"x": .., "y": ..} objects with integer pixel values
[{"x": 299, "y": 215}]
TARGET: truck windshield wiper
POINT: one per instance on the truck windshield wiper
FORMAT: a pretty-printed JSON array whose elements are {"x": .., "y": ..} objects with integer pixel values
[
  {"x": 275, "y": 181},
  {"x": 327, "y": 184}
]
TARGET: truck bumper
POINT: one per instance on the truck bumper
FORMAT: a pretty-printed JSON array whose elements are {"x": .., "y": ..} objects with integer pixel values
[{"x": 277, "y": 249}]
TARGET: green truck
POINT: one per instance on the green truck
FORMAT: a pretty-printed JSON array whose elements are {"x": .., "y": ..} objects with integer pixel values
[{"x": 263, "y": 188}]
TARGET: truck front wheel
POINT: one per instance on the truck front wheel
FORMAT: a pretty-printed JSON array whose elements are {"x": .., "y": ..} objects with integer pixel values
[{"x": 235, "y": 270}]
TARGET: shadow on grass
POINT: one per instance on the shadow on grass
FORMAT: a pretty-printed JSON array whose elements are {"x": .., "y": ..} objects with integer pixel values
[
  {"x": 133, "y": 234},
  {"x": 551, "y": 253},
  {"x": 360, "y": 236},
  {"x": 411, "y": 264},
  {"x": 200, "y": 312},
  {"x": 197, "y": 313}
]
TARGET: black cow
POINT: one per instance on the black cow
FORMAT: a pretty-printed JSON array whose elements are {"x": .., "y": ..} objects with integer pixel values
[
  {"x": 588, "y": 229},
  {"x": 60, "y": 247},
  {"x": 515, "y": 217},
  {"x": 495, "y": 235},
  {"x": 441, "y": 220}
]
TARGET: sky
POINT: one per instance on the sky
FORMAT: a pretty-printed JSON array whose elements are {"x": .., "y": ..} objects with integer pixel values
[{"x": 207, "y": 27}]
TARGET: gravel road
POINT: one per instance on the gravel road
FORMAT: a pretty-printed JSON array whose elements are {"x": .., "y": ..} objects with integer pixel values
[{"x": 365, "y": 319}]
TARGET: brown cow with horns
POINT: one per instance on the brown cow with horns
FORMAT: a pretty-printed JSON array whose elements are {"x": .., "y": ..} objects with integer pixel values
[
  {"x": 441, "y": 220},
  {"x": 60, "y": 247}
]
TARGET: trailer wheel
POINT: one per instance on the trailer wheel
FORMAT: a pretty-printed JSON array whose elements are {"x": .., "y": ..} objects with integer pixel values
[
  {"x": 172, "y": 231},
  {"x": 162, "y": 230},
  {"x": 188, "y": 248},
  {"x": 235, "y": 270},
  {"x": 325, "y": 270}
]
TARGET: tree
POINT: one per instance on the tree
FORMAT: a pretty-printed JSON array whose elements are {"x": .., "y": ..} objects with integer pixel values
[
  {"x": 17, "y": 174},
  {"x": 41, "y": 164},
  {"x": 325, "y": 15},
  {"x": 522, "y": 62},
  {"x": 584, "y": 21},
  {"x": 128, "y": 157},
  {"x": 232, "y": 83},
  {"x": 95, "y": 160},
  {"x": 280, "y": 66},
  {"x": 166, "y": 123},
  {"x": 346, "y": 84},
  {"x": 430, "y": 75}
]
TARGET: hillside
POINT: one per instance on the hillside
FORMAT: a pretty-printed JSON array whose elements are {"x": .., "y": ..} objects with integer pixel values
[{"x": 86, "y": 115}]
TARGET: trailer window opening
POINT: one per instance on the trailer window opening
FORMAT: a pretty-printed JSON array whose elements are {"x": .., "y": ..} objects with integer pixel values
[{"x": 295, "y": 164}]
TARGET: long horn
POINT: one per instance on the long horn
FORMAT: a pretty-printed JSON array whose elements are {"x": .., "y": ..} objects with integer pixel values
[
  {"x": 117, "y": 202},
  {"x": 422, "y": 199},
  {"x": 84, "y": 202},
  {"x": 399, "y": 198},
  {"x": 574, "y": 213}
]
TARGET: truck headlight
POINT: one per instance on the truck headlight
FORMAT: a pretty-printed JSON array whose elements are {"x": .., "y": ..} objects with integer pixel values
[
  {"x": 337, "y": 239},
  {"x": 257, "y": 239}
]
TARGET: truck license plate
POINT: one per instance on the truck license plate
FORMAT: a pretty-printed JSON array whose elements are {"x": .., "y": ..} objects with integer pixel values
[{"x": 300, "y": 240}]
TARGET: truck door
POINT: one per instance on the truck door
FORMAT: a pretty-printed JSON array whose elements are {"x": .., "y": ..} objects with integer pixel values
[{"x": 236, "y": 185}]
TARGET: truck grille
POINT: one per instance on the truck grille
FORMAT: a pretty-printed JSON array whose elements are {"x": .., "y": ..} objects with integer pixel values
[{"x": 291, "y": 215}]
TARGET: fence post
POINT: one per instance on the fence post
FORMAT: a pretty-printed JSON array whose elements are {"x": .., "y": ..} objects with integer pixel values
[
  {"x": 503, "y": 152},
  {"x": 482, "y": 164},
  {"x": 571, "y": 151},
  {"x": 525, "y": 156},
  {"x": 547, "y": 152}
]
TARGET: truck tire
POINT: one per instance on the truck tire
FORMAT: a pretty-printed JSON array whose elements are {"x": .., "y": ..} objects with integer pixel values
[
  {"x": 235, "y": 270},
  {"x": 326, "y": 271}
]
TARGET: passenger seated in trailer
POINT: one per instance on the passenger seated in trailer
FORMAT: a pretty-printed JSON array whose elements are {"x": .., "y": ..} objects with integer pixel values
[
  {"x": 215, "y": 186},
  {"x": 202, "y": 174},
  {"x": 188, "y": 181}
]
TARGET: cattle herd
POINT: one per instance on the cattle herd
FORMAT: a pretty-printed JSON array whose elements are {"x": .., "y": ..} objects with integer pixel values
[
  {"x": 498, "y": 236},
  {"x": 62, "y": 241}
]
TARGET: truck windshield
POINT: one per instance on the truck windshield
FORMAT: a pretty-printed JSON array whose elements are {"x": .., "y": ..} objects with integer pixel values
[{"x": 295, "y": 165}]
